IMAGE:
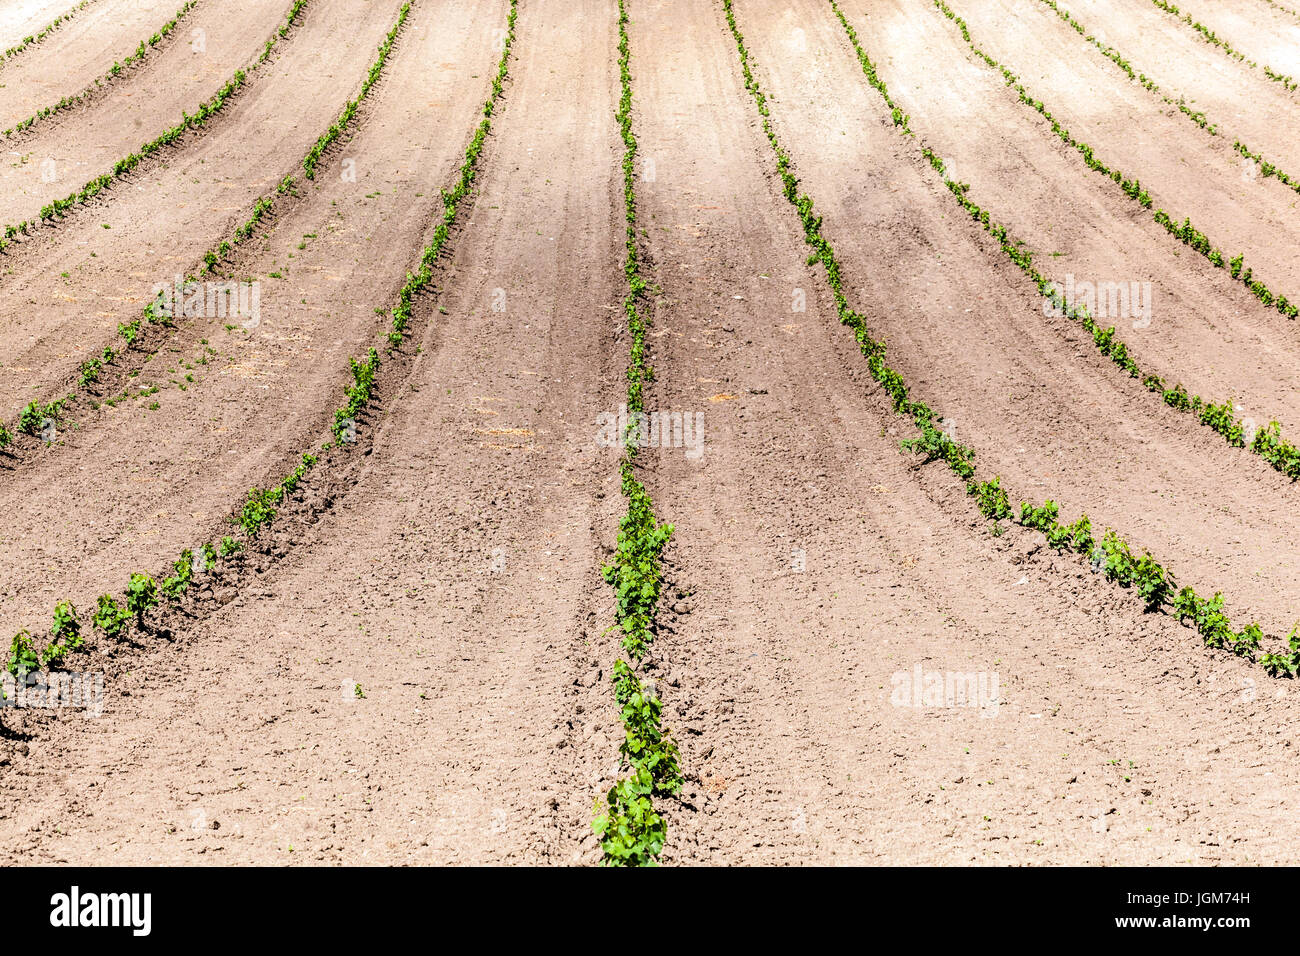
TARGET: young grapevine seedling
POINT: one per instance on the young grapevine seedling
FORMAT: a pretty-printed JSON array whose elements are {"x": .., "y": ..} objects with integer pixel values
[
  {"x": 1154, "y": 583},
  {"x": 1117, "y": 560},
  {"x": 111, "y": 617},
  {"x": 22, "y": 654},
  {"x": 1211, "y": 623},
  {"x": 258, "y": 510},
  {"x": 991, "y": 498},
  {"x": 1285, "y": 665},
  {"x": 177, "y": 584},
  {"x": 67, "y": 628},
  {"x": 31, "y": 419},
  {"x": 646, "y": 745},
  {"x": 141, "y": 595},
  {"x": 631, "y": 833},
  {"x": 1247, "y": 642}
]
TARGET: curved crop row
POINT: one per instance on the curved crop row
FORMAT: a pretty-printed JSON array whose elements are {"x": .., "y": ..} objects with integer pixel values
[
  {"x": 1287, "y": 10},
  {"x": 132, "y": 336},
  {"x": 400, "y": 314},
  {"x": 1209, "y": 36},
  {"x": 132, "y": 617},
  {"x": 1269, "y": 442},
  {"x": 59, "y": 208},
  {"x": 1185, "y": 232},
  {"x": 42, "y": 33},
  {"x": 336, "y": 128},
  {"x": 631, "y": 832},
  {"x": 118, "y": 69},
  {"x": 1266, "y": 168},
  {"x": 1108, "y": 552}
]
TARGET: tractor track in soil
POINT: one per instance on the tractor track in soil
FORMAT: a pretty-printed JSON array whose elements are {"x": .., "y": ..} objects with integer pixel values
[
  {"x": 60, "y": 153},
  {"x": 498, "y": 669},
  {"x": 68, "y": 288}
]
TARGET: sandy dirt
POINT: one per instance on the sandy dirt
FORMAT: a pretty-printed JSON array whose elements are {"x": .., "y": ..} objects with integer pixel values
[
  {"x": 413, "y": 666},
  {"x": 489, "y": 459},
  {"x": 1248, "y": 105},
  {"x": 84, "y": 49},
  {"x": 283, "y": 376},
  {"x": 1133, "y": 131},
  {"x": 824, "y": 566},
  {"x": 1263, "y": 33},
  {"x": 164, "y": 217},
  {"x": 25, "y": 18},
  {"x": 1079, "y": 223},
  {"x": 85, "y": 141}
]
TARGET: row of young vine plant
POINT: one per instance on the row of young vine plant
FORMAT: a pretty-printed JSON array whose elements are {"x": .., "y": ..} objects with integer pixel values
[
  {"x": 1268, "y": 442},
  {"x": 1106, "y": 550},
  {"x": 131, "y": 335},
  {"x": 43, "y": 32},
  {"x": 118, "y": 69},
  {"x": 336, "y": 128},
  {"x": 1209, "y": 36},
  {"x": 35, "y": 414},
  {"x": 1285, "y": 9},
  {"x": 1266, "y": 168},
  {"x": 114, "y": 617},
  {"x": 418, "y": 281},
  {"x": 1185, "y": 232},
  {"x": 59, "y": 208},
  {"x": 127, "y": 617},
  {"x": 1111, "y": 53},
  {"x": 630, "y": 830}
]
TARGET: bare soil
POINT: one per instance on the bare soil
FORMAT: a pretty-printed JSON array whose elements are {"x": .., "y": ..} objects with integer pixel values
[
  {"x": 25, "y": 18},
  {"x": 84, "y": 48},
  {"x": 413, "y": 665},
  {"x": 66, "y": 298},
  {"x": 126, "y": 112}
]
